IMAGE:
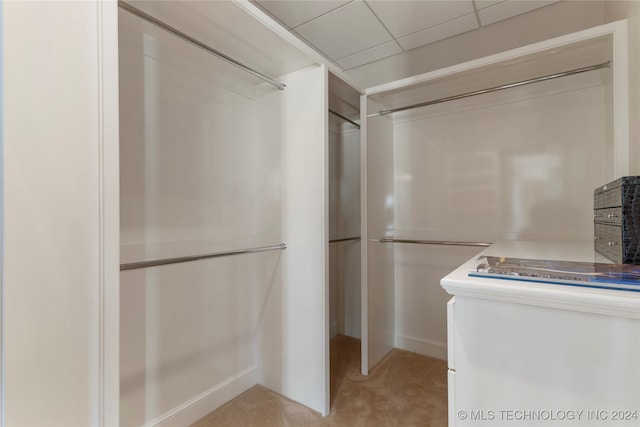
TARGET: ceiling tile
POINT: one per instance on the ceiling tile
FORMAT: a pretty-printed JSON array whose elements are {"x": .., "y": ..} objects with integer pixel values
[
  {"x": 439, "y": 32},
  {"x": 509, "y": 8},
  {"x": 403, "y": 17},
  {"x": 369, "y": 55},
  {"x": 294, "y": 13},
  {"x": 483, "y": 4},
  {"x": 345, "y": 31}
]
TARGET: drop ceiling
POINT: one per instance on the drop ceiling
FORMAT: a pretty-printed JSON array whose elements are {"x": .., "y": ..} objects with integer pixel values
[{"x": 352, "y": 33}]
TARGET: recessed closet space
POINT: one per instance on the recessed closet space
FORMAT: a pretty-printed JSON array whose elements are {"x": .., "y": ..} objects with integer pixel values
[
  {"x": 506, "y": 147},
  {"x": 344, "y": 208},
  {"x": 216, "y": 161}
]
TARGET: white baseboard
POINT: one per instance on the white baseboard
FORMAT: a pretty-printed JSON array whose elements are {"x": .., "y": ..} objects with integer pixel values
[
  {"x": 208, "y": 401},
  {"x": 422, "y": 346}
]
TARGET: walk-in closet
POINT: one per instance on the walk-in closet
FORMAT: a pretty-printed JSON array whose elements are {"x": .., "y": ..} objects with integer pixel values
[
  {"x": 196, "y": 201},
  {"x": 230, "y": 168},
  {"x": 506, "y": 147}
]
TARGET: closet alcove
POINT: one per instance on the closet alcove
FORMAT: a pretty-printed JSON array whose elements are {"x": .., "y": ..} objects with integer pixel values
[
  {"x": 344, "y": 209},
  {"x": 443, "y": 179},
  {"x": 215, "y": 160}
]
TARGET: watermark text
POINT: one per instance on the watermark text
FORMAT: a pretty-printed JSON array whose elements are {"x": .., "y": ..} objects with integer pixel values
[{"x": 548, "y": 415}]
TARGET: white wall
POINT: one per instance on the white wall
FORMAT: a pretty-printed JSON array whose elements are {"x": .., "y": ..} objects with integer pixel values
[
  {"x": 378, "y": 258},
  {"x": 512, "y": 170},
  {"x": 293, "y": 342},
  {"x": 190, "y": 176},
  {"x": 60, "y": 186},
  {"x": 615, "y": 10},
  {"x": 420, "y": 318},
  {"x": 212, "y": 163},
  {"x": 2, "y": 190}
]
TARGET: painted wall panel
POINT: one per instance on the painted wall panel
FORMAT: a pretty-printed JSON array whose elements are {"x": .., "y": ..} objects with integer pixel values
[
  {"x": 188, "y": 161},
  {"x": 615, "y": 10},
  {"x": 381, "y": 302},
  {"x": 60, "y": 214},
  {"x": 344, "y": 221},
  {"x": 197, "y": 177},
  {"x": 294, "y": 327},
  {"x": 187, "y": 328},
  {"x": 523, "y": 169},
  {"x": 380, "y": 222},
  {"x": 516, "y": 170},
  {"x": 349, "y": 294},
  {"x": 344, "y": 152},
  {"x": 420, "y": 300}
]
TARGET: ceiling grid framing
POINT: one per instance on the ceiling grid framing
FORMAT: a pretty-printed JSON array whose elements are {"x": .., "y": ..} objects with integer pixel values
[{"x": 352, "y": 33}]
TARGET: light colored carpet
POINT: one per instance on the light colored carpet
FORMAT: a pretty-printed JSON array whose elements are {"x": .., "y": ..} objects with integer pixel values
[{"x": 405, "y": 389}]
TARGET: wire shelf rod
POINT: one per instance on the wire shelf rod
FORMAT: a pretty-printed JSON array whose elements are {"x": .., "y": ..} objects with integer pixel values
[
  {"x": 606, "y": 64},
  {"x": 346, "y": 119},
  {"x": 345, "y": 239},
  {"x": 165, "y": 261},
  {"x": 431, "y": 242}
]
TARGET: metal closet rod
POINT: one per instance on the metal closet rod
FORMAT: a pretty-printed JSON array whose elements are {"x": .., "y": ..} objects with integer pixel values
[
  {"x": 494, "y": 89},
  {"x": 344, "y": 239},
  {"x": 431, "y": 242},
  {"x": 346, "y": 119},
  {"x": 164, "y": 261},
  {"x": 198, "y": 43}
]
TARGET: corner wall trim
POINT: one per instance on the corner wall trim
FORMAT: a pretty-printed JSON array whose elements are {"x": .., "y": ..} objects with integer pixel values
[{"x": 2, "y": 267}]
